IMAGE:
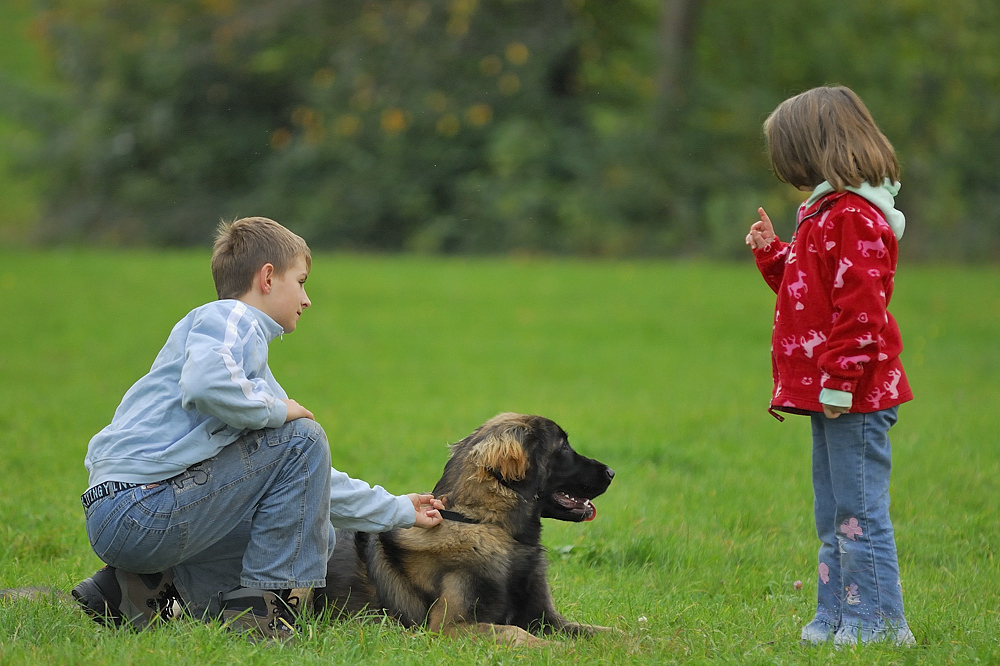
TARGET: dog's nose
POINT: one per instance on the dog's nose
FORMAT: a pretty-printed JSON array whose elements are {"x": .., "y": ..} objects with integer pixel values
[{"x": 610, "y": 472}]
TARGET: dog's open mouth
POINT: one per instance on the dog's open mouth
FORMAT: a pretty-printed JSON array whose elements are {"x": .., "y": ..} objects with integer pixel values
[{"x": 583, "y": 508}]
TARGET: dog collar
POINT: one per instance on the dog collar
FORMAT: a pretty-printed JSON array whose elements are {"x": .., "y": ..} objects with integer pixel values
[{"x": 458, "y": 517}]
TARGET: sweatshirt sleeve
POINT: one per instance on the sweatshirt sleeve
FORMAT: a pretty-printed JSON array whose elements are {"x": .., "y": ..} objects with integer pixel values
[
  {"x": 861, "y": 259},
  {"x": 355, "y": 505},
  {"x": 771, "y": 262},
  {"x": 225, "y": 371}
]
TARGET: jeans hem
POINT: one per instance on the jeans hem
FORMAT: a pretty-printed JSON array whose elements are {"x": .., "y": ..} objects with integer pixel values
[{"x": 283, "y": 585}]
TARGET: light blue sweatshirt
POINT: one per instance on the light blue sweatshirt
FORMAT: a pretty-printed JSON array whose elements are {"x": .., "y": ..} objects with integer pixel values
[{"x": 208, "y": 385}]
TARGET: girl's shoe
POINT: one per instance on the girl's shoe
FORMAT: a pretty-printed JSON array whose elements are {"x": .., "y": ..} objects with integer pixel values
[
  {"x": 818, "y": 631},
  {"x": 901, "y": 636}
]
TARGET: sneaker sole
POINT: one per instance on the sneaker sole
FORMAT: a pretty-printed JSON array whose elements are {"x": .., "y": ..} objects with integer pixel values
[{"x": 94, "y": 601}]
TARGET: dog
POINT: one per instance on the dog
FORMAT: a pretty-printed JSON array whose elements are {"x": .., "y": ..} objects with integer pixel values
[{"x": 482, "y": 569}]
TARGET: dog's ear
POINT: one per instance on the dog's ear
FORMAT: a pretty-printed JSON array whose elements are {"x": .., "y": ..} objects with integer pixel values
[{"x": 501, "y": 452}]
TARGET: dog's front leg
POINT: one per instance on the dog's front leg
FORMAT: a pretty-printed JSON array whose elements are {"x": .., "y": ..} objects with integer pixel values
[
  {"x": 546, "y": 619},
  {"x": 451, "y": 606},
  {"x": 450, "y": 616}
]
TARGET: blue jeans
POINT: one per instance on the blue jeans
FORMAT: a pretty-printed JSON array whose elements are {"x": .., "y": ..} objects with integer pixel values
[
  {"x": 859, "y": 591},
  {"x": 255, "y": 515}
]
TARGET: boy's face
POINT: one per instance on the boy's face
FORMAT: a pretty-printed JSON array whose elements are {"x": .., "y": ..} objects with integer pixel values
[{"x": 287, "y": 299}]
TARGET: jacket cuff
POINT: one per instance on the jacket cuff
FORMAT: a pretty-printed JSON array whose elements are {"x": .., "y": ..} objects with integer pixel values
[
  {"x": 278, "y": 414},
  {"x": 836, "y": 398},
  {"x": 406, "y": 515}
]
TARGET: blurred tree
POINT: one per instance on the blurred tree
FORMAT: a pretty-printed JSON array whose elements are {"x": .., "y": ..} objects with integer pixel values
[
  {"x": 615, "y": 127},
  {"x": 438, "y": 126},
  {"x": 23, "y": 78},
  {"x": 678, "y": 29}
]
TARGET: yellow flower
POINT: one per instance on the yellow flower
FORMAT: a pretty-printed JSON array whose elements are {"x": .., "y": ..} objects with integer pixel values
[
  {"x": 509, "y": 84},
  {"x": 479, "y": 114},
  {"x": 348, "y": 125},
  {"x": 394, "y": 121},
  {"x": 280, "y": 138},
  {"x": 517, "y": 53}
]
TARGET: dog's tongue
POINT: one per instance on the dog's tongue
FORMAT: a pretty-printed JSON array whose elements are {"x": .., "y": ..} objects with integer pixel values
[{"x": 592, "y": 512}]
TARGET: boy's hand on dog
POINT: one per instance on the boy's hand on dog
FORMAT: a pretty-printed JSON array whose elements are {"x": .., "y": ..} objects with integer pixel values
[
  {"x": 427, "y": 509},
  {"x": 761, "y": 232},
  {"x": 296, "y": 411}
]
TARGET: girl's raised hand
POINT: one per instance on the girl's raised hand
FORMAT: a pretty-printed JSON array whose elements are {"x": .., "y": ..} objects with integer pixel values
[{"x": 761, "y": 231}]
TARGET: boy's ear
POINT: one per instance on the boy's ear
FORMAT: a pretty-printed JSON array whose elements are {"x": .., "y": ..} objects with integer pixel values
[{"x": 263, "y": 278}]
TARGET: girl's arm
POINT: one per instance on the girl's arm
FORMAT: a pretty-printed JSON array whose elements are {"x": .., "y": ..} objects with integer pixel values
[{"x": 768, "y": 250}]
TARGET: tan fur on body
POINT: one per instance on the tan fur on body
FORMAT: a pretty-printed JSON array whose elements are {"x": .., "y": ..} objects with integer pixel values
[{"x": 487, "y": 576}]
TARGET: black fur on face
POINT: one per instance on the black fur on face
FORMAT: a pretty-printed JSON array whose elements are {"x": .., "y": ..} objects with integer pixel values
[
  {"x": 532, "y": 457},
  {"x": 567, "y": 481}
]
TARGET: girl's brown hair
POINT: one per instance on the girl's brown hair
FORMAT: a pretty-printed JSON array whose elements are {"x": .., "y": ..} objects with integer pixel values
[
  {"x": 244, "y": 246},
  {"x": 828, "y": 134}
]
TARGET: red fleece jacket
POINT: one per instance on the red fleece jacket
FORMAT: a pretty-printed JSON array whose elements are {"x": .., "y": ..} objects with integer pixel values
[{"x": 832, "y": 328}]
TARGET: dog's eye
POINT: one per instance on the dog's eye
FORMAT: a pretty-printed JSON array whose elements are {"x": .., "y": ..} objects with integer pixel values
[{"x": 565, "y": 446}]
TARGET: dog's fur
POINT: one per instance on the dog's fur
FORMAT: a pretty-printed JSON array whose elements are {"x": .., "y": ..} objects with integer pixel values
[{"x": 483, "y": 568}]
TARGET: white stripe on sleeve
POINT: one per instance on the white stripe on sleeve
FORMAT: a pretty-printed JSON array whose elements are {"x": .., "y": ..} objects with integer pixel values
[{"x": 239, "y": 378}]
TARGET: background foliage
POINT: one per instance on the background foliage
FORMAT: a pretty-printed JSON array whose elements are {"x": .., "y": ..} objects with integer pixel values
[{"x": 607, "y": 128}]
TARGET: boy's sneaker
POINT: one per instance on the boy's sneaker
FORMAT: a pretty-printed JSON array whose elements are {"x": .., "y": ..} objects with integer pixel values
[
  {"x": 266, "y": 613},
  {"x": 114, "y": 598}
]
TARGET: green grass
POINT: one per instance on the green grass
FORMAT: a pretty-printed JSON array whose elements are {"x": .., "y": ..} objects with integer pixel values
[{"x": 659, "y": 369}]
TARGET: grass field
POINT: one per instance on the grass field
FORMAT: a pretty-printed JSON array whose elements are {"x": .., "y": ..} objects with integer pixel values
[{"x": 659, "y": 369}]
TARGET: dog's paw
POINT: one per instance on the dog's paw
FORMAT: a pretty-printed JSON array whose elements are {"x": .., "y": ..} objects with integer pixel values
[
  {"x": 517, "y": 637},
  {"x": 505, "y": 634},
  {"x": 587, "y": 630}
]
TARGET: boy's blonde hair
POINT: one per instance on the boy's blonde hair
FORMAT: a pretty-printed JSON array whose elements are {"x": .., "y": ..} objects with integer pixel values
[
  {"x": 828, "y": 134},
  {"x": 243, "y": 246}
]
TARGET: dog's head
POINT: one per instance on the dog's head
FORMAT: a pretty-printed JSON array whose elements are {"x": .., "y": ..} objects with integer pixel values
[{"x": 528, "y": 458}]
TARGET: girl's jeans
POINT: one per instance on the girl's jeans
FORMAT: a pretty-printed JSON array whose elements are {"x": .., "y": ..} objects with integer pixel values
[
  {"x": 256, "y": 515},
  {"x": 859, "y": 589}
]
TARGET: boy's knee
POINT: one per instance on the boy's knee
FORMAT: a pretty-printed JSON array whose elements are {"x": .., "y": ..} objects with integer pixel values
[
  {"x": 304, "y": 436},
  {"x": 309, "y": 429},
  {"x": 313, "y": 437}
]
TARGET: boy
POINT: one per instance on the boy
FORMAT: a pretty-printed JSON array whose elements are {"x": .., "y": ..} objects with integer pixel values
[{"x": 211, "y": 487}]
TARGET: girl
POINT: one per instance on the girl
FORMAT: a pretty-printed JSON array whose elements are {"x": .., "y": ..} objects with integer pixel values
[{"x": 835, "y": 348}]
